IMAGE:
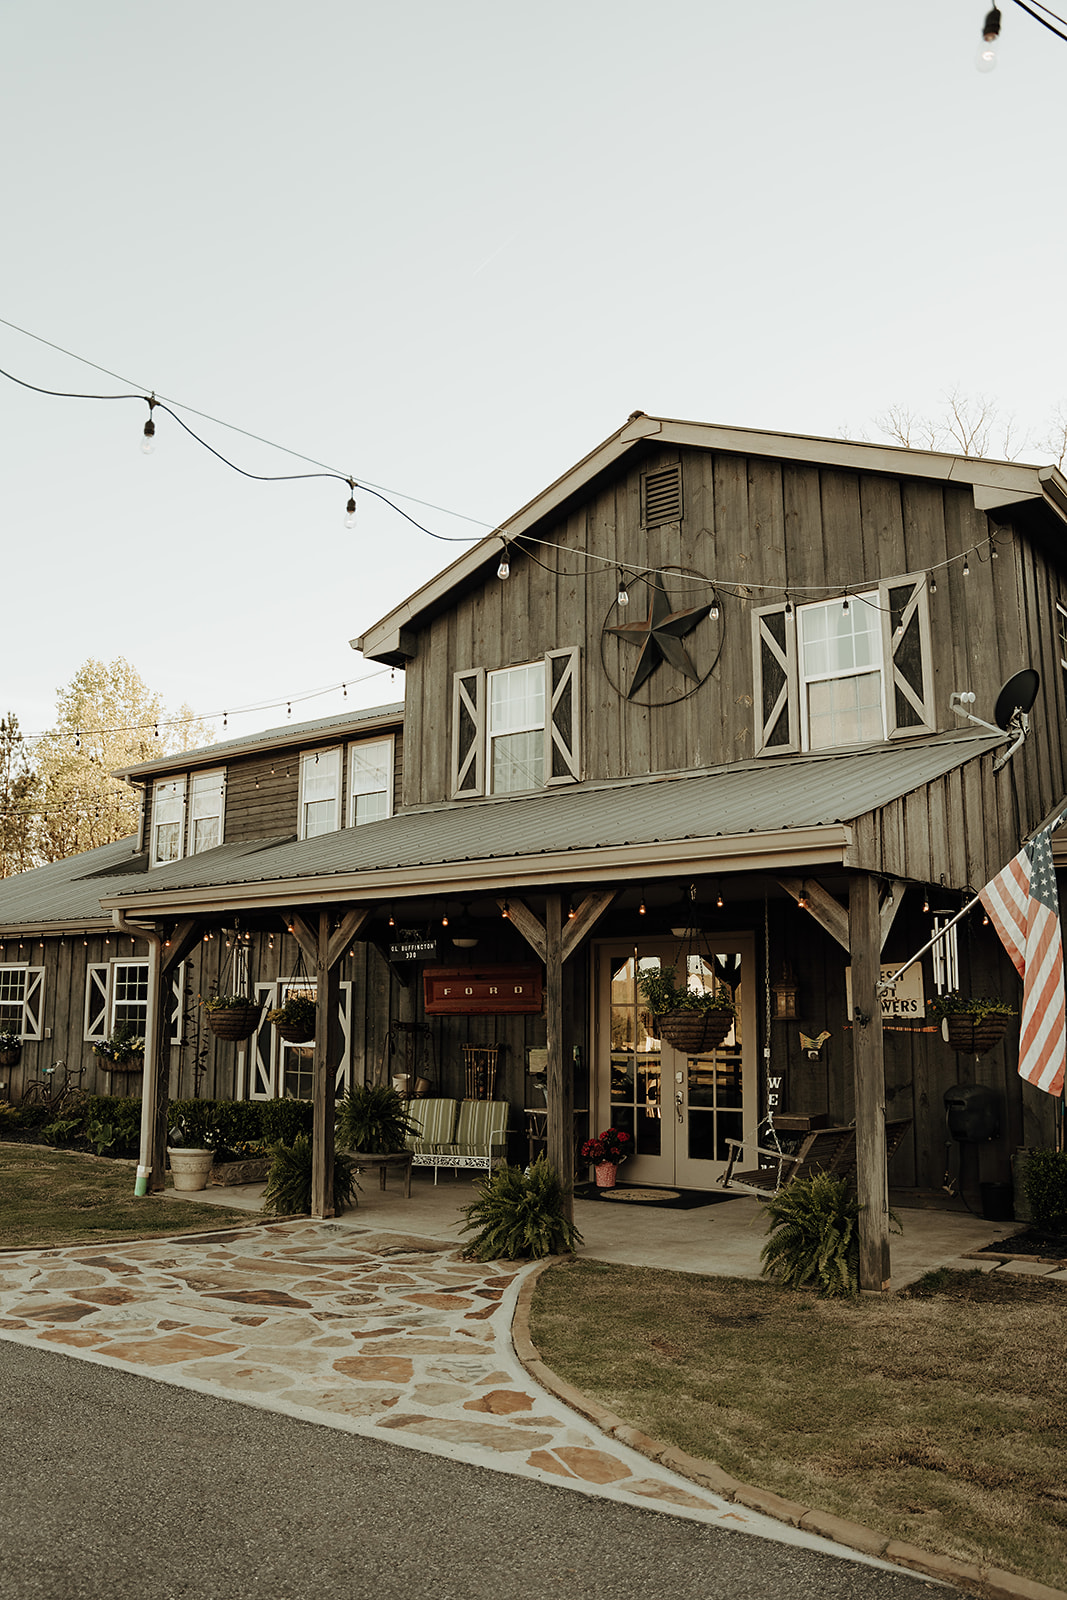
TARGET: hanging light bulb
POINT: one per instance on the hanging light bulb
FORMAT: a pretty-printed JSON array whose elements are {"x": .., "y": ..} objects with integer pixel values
[
  {"x": 788, "y": 606},
  {"x": 350, "y": 509},
  {"x": 148, "y": 443},
  {"x": 714, "y": 612},
  {"x": 506, "y": 912},
  {"x": 986, "y": 58},
  {"x": 719, "y": 900},
  {"x": 642, "y": 908},
  {"x": 844, "y": 606},
  {"x": 623, "y": 596},
  {"x": 931, "y": 582},
  {"x": 504, "y": 569},
  {"x": 966, "y": 568}
]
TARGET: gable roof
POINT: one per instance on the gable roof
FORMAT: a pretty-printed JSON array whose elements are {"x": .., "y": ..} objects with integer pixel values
[
  {"x": 211, "y": 755},
  {"x": 796, "y": 812},
  {"x": 995, "y": 485}
]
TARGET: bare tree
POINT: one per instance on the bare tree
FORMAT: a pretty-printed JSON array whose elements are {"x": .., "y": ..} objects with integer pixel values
[{"x": 969, "y": 426}]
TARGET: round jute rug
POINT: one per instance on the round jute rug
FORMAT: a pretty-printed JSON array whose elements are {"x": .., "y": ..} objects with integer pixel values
[{"x": 639, "y": 1196}]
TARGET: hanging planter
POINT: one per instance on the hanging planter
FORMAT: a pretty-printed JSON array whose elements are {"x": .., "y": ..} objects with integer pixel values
[
  {"x": 232, "y": 1016},
  {"x": 971, "y": 1024},
  {"x": 10, "y": 1048},
  {"x": 123, "y": 1052},
  {"x": 295, "y": 1020},
  {"x": 695, "y": 1032}
]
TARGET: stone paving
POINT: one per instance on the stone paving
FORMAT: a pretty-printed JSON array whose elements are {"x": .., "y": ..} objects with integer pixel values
[{"x": 377, "y": 1333}]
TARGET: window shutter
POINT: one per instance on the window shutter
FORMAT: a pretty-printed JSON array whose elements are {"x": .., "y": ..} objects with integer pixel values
[
  {"x": 176, "y": 1007},
  {"x": 563, "y": 716},
  {"x": 33, "y": 1004},
  {"x": 468, "y": 733},
  {"x": 906, "y": 652},
  {"x": 262, "y": 1047},
  {"x": 96, "y": 998},
  {"x": 776, "y": 693}
]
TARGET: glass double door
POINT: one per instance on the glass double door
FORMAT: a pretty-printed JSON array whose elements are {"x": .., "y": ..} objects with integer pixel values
[{"x": 679, "y": 1108}]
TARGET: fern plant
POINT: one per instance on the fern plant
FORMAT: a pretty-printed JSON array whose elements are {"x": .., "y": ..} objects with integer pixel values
[
  {"x": 520, "y": 1214},
  {"x": 372, "y": 1118},
  {"x": 288, "y": 1191},
  {"x": 814, "y": 1236}
]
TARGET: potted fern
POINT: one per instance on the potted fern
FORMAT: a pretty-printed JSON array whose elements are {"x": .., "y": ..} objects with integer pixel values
[
  {"x": 692, "y": 1020},
  {"x": 519, "y": 1214},
  {"x": 971, "y": 1024},
  {"x": 232, "y": 1016},
  {"x": 372, "y": 1120}
]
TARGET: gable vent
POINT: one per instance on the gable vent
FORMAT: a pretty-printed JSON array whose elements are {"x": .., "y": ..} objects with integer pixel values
[{"x": 661, "y": 497}]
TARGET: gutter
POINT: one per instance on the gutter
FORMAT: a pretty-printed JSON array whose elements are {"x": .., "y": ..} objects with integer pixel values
[{"x": 150, "y": 1084}]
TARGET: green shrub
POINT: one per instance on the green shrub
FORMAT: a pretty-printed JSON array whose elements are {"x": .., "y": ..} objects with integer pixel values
[
  {"x": 237, "y": 1124},
  {"x": 814, "y": 1236},
  {"x": 34, "y": 1116},
  {"x": 101, "y": 1135},
  {"x": 192, "y": 1123},
  {"x": 63, "y": 1131},
  {"x": 1046, "y": 1190},
  {"x": 282, "y": 1120},
  {"x": 372, "y": 1118},
  {"x": 120, "y": 1113},
  {"x": 288, "y": 1191},
  {"x": 520, "y": 1214}
]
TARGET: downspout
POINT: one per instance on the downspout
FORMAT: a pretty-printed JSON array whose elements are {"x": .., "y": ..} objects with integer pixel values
[{"x": 150, "y": 1084}]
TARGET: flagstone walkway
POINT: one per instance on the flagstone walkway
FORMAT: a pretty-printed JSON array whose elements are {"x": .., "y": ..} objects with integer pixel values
[{"x": 381, "y": 1334}]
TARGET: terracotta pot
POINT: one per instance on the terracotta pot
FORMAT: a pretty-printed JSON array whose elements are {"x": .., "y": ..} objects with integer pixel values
[
  {"x": 694, "y": 1032},
  {"x": 234, "y": 1022},
  {"x": 190, "y": 1169},
  {"x": 605, "y": 1174},
  {"x": 961, "y": 1032}
]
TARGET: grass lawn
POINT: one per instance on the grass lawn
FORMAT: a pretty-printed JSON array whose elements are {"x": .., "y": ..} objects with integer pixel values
[
  {"x": 938, "y": 1415},
  {"x": 58, "y": 1197}
]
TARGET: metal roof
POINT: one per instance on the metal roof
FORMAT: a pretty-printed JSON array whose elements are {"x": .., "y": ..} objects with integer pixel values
[
  {"x": 794, "y": 796},
  {"x": 270, "y": 738}
]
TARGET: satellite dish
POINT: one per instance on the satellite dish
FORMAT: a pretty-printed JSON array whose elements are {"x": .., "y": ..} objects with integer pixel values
[{"x": 1018, "y": 694}]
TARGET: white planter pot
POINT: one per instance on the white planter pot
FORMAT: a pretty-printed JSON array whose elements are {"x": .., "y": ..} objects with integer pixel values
[{"x": 190, "y": 1169}]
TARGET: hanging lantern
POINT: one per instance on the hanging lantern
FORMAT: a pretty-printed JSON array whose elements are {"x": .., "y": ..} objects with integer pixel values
[{"x": 784, "y": 997}]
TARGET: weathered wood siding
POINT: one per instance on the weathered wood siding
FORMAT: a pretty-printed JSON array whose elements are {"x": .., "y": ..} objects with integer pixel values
[{"x": 761, "y": 530}]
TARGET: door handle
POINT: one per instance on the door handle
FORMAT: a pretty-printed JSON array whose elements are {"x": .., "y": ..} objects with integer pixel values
[{"x": 679, "y": 1101}]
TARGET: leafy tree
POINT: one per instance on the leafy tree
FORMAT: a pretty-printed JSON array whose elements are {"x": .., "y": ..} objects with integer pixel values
[
  {"x": 106, "y": 719},
  {"x": 18, "y": 786}
]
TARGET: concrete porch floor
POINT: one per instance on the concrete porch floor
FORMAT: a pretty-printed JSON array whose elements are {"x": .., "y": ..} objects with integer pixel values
[{"x": 724, "y": 1238}]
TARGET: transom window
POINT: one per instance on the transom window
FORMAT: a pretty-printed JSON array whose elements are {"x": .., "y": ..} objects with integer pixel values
[
  {"x": 205, "y": 825},
  {"x": 517, "y": 728},
  {"x": 370, "y": 781},
  {"x": 841, "y": 672},
  {"x": 320, "y": 792}
]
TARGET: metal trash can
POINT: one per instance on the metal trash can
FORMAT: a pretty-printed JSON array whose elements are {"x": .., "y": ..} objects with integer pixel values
[{"x": 997, "y": 1202}]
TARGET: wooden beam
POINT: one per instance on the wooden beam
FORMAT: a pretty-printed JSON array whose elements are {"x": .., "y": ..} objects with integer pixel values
[
  {"x": 345, "y": 932},
  {"x": 186, "y": 936},
  {"x": 325, "y": 1073},
  {"x": 868, "y": 1069},
  {"x": 302, "y": 933},
  {"x": 828, "y": 912},
  {"x": 587, "y": 914},
  {"x": 559, "y": 1082},
  {"x": 527, "y": 924},
  {"x": 892, "y": 901}
]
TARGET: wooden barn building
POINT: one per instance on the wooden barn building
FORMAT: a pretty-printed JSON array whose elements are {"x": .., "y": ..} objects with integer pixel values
[{"x": 690, "y": 705}]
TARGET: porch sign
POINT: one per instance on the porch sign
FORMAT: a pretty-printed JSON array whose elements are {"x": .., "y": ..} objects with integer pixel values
[
  {"x": 903, "y": 1001},
  {"x": 482, "y": 991},
  {"x": 411, "y": 944}
]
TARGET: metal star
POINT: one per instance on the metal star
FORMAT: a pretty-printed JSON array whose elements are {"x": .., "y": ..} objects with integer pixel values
[{"x": 658, "y": 636}]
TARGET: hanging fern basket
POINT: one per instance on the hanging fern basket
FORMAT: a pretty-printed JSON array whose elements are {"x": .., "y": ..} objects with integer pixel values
[
  {"x": 973, "y": 1036},
  {"x": 695, "y": 1032},
  {"x": 234, "y": 1022}
]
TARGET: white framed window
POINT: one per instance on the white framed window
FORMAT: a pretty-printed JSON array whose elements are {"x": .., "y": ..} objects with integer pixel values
[
  {"x": 830, "y": 674},
  {"x": 116, "y": 992},
  {"x": 21, "y": 998},
  {"x": 370, "y": 781},
  {"x": 207, "y": 803},
  {"x": 840, "y": 664},
  {"x": 517, "y": 728},
  {"x": 168, "y": 820},
  {"x": 320, "y": 792}
]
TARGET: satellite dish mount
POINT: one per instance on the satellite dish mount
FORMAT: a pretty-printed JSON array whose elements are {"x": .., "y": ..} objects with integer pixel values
[{"x": 1012, "y": 711}]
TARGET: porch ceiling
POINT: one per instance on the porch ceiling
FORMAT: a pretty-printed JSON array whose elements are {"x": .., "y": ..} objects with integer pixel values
[{"x": 793, "y": 813}]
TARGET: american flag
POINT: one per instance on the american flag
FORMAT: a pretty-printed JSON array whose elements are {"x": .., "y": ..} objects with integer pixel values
[{"x": 1023, "y": 906}]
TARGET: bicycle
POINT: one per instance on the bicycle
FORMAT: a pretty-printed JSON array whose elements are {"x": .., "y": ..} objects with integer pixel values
[{"x": 42, "y": 1091}]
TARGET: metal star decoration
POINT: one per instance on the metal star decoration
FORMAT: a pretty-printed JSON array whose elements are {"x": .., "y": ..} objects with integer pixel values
[{"x": 658, "y": 637}]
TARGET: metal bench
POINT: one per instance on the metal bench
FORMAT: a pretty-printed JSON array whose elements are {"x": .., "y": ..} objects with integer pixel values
[
  {"x": 479, "y": 1140},
  {"x": 830, "y": 1150}
]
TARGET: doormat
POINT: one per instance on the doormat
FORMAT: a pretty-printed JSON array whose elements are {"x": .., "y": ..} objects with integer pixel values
[{"x": 656, "y": 1199}]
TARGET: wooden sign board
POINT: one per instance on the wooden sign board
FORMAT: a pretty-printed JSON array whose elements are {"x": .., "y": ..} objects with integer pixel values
[
  {"x": 412, "y": 945},
  {"x": 482, "y": 991},
  {"x": 904, "y": 1002}
]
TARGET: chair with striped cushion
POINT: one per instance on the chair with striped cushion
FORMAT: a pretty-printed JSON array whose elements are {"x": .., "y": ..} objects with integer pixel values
[{"x": 435, "y": 1125}]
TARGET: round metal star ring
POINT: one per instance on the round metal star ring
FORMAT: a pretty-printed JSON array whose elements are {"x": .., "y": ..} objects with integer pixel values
[{"x": 663, "y": 656}]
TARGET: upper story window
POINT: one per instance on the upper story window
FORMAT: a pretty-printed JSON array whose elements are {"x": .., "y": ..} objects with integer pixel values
[
  {"x": 370, "y": 781},
  {"x": 168, "y": 820},
  {"x": 832, "y": 674},
  {"x": 841, "y": 672},
  {"x": 320, "y": 792},
  {"x": 21, "y": 994},
  {"x": 206, "y": 807},
  {"x": 517, "y": 728}
]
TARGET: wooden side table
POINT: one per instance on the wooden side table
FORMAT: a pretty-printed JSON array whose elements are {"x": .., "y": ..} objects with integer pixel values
[{"x": 396, "y": 1158}]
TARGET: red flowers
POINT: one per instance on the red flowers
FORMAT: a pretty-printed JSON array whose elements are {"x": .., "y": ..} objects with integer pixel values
[{"x": 612, "y": 1145}]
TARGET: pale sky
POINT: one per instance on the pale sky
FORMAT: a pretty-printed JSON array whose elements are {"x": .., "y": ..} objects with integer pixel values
[{"x": 448, "y": 249}]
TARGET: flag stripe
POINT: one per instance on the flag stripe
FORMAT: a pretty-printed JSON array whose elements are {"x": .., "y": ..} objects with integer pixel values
[{"x": 1023, "y": 907}]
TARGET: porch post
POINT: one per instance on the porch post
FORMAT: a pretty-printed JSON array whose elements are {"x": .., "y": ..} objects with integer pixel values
[
  {"x": 559, "y": 1079},
  {"x": 325, "y": 1072},
  {"x": 868, "y": 1067}
]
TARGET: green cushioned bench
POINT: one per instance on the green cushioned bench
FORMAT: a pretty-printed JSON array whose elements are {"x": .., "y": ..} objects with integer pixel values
[{"x": 468, "y": 1134}]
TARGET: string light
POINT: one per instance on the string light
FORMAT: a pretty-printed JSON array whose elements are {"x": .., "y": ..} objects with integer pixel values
[
  {"x": 503, "y": 571},
  {"x": 966, "y": 568},
  {"x": 506, "y": 912},
  {"x": 148, "y": 443},
  {"x": 623, "y": 596},
  {"x": 986, "y": 59},
  {"x": 714, "y": 612},
  {"x": 350, "y": 509}
]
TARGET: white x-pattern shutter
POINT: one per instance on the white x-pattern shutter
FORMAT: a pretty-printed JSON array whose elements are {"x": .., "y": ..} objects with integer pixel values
[
  {"x": 776, "y": 691},
  {"x": 563, "y": 716},
  {"x": 468, "y": 733},
  {"x": 97, "y": 995},
  {"x": 905, "y": 612},
  {"x": 33, "y": 1004}
]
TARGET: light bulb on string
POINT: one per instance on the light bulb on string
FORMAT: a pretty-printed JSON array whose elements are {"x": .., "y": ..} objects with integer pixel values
[
  {"x": 966, "y": 567},
  {"x": 623, "y": 596},
  {"x": 986, "y": 58},
  {"x": 503, "y": 571},
  {"x": 350, "y": 509},
  {"x": 714, "y": 612},
  {"x": 148, "y": 443}
]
